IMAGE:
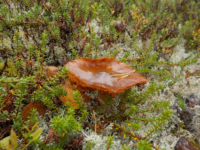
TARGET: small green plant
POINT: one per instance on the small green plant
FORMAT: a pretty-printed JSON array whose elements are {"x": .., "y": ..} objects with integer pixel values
[
  {"x": 109, "y": 142},
  {"x": 89, "y": 145},
  {"x": 64, "y": 126},
  {"x": 143, "y": 144},
  {"x": 181, "y": 102}
]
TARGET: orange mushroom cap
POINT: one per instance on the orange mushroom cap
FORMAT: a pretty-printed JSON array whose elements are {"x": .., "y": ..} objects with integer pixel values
[{"x": 106, "y": 74}]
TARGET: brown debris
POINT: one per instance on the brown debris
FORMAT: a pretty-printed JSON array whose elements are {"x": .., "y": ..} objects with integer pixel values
[
  {"x": 5, "y": 131},
  {"x": 100, "y": 127},
  {"x": 187, "y": 116},
  {"x": 51, "y": 135},
  {"x": 119, "y": 26},
  {"x": 75, "y": 143},
  {"x": 184, "y": 144},
  {"x": 7, "y": 103},
  {"x": 192, "y": 100}
]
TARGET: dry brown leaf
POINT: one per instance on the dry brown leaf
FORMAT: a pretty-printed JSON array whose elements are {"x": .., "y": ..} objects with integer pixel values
[
  {"x": 168, "y": 50},
  {"x": 7, "y": 102},
  {"x": 35, "y": 104},
  {"x": 187, "y": 74},
  {"x": 69, "y": 97},
  {"x": 51, "y": 71},
  {"x": 85, "y": 97},
  {"x": 51, "y": 135}
]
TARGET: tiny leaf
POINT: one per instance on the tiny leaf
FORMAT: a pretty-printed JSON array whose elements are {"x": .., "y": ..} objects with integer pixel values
[
  {"x": 4, "y": 142},
  {"x": 36, "y": 134},
  {"x": 12, "y": 141},
  {"x": 35, "y": 125}
]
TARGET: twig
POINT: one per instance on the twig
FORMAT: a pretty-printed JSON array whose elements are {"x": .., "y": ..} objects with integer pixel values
[
  {"x": 123, "y": 75},
  {"x": 95, "y": 129}
]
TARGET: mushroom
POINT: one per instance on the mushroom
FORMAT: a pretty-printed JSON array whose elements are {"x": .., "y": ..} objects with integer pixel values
[{"x": 107, "y": 75}]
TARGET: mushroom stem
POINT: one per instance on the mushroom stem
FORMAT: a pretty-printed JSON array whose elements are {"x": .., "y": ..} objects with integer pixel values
[
  {"x": 123, "y": 75},
  {"x": 103, "y": 96}
]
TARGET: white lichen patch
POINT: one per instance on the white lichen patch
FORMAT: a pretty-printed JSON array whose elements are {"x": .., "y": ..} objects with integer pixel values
[
  {"x": 168, "y": 142},
  {"x": 94, "y": 26},
  {"x": 179, "y": 54},
  {"x": 99, "y": 141}
]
